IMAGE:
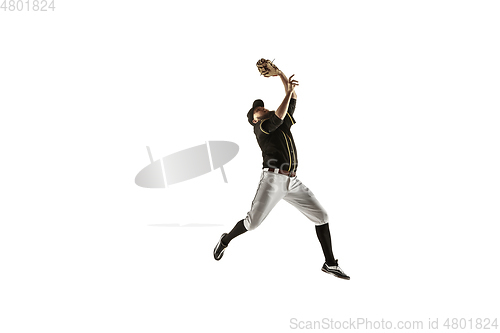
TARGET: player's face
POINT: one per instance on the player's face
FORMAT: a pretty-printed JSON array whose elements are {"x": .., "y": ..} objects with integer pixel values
[{"x": 261, "y": 113}]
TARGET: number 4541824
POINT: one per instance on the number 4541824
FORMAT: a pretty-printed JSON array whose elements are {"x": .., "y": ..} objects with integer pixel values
[{"x": 27, "y": 5}]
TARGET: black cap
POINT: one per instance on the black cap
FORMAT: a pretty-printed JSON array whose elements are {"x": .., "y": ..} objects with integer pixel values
[{"x": 256, "y": 103}]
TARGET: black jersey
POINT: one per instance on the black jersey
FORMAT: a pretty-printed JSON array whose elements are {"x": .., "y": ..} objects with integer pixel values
[{"x": 276, "y": 141}]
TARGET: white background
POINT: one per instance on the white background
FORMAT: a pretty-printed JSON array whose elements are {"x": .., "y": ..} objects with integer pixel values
[{"x": 397, "y": 135}]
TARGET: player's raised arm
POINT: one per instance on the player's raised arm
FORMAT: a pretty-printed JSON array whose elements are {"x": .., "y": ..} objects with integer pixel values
[
  {"x": 290, "y": 86},
  {"x": 285, "y": 83}
]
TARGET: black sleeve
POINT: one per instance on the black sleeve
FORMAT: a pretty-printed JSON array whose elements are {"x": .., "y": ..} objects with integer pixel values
[
  {"x": 267, "y": 126},
  {"x": 291, "y": 106},
  {"x": 289, "y": 120}
]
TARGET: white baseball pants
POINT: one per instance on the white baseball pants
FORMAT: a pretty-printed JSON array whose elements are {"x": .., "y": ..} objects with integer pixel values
[{"x": 272, "y": 188}]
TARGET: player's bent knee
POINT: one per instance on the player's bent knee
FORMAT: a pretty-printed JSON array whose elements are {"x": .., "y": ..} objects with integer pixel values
[
  {"x": 322, "y": 219},
  {"x": 255, "y": 217},
  {"x": 253, "y": 225},
  {"x": 250, "y": 224},
  {"x": 325, "y": 217}
]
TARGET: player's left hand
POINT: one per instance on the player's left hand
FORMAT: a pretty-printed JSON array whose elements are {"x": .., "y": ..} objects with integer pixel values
[{"x": 292, "y": 84}]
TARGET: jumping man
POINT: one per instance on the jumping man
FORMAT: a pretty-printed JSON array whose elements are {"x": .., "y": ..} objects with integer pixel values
[{"x": 278, "y": 179}]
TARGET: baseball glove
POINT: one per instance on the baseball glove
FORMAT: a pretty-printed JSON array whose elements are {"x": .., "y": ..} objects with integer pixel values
[{"x": 267, "y": 68}]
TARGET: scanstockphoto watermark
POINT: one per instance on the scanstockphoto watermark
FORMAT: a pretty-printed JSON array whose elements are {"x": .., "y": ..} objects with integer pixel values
[{"x": 354, "y": 324}]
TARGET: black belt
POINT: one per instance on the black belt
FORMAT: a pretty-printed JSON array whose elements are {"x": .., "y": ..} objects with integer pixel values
[{"x": 283, "y": 172}]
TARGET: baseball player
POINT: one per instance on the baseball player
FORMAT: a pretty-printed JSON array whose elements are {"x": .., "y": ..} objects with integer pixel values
[{"x": 279, "y": 179}]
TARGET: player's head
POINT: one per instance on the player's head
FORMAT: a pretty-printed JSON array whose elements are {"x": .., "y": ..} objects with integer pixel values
[
  {"x": 261, "y": 113},
  {"x": 258, "y": 112}
]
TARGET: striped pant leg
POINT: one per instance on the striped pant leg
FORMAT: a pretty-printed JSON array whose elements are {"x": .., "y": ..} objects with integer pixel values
[
  {"x": 302, "y": 198},
  {"x": 272, "y": 188}
]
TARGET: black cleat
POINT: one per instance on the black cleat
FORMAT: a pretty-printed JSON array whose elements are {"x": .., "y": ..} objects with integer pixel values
[
  {"x": 219, "y": 248},
  {"x": 335, "y": 270}
]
